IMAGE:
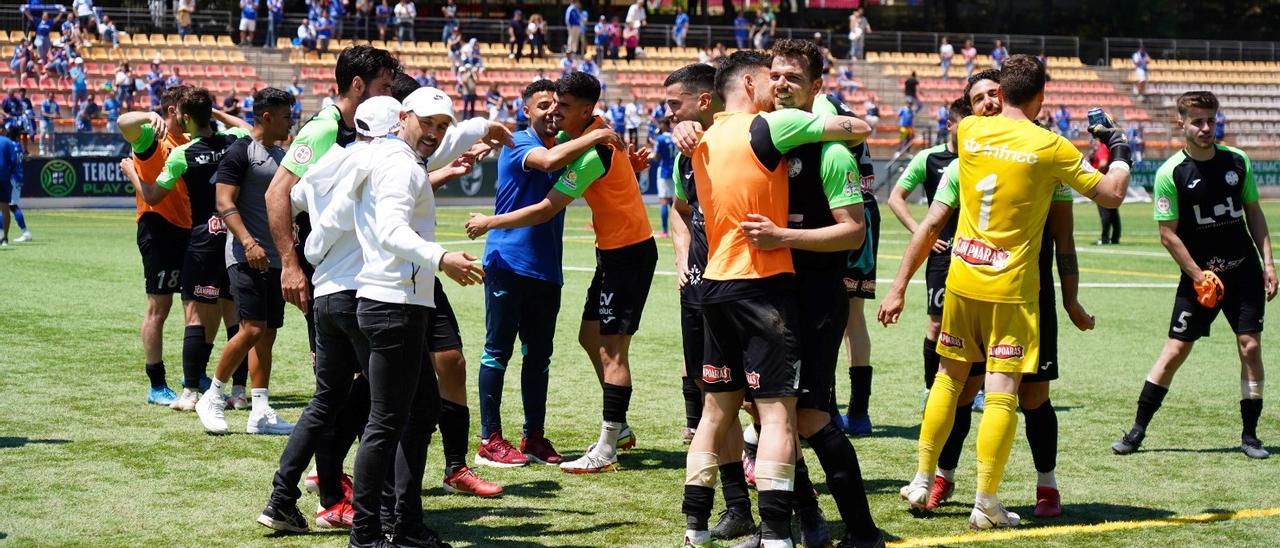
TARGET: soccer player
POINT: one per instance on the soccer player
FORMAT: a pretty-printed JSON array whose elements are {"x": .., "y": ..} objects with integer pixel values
[
  {"x": 691, "y": 96},
  {"x": 626, "y": 256},
  {"x": 523, "y": 281},
  {"x": 205, "y": 291},
  {"x": 860, "y": 286},
  {"x": 663, "y": 156},
  {"x": 395, "y": 225},
  {"x": 11, "y": 185},
  {"x": 245, "y": 170},
  {"x": 748, "y": 304},
  {"x": 991, "y": 311},
  {"x": 1211, "y": 223}
]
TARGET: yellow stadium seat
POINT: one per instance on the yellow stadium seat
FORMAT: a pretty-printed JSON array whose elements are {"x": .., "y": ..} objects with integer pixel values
[{"x": 225, "y": 41}]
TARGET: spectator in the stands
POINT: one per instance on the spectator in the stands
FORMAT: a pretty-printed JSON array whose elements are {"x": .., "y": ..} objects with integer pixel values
[
  {"x": 450, "y": 12},
  {"x": 86, "y": 15},
  {"x": 79, "y": 84},
  {"x": 720, "y": 51},
  {"x": 182, "y": 16},
  {"x": 431, "y": 81},
  {"x": 43, "y": 28},
  {"x": 602, "y": 39},
  {"x": 108, "y": 32},
  {"x": 248, "y": 21},
  {"x": 906, "y": 125},
  {"x": 306, "y": 36},
  {"x": 517, "y": 33},
  {"x": 681, "y": 28},
  {"x": 567, "y": 64},
  {"x": 845, "y": 80},
  {"x": 998, "y": 55},
  {"x": 858, "y": 30},
  {"x": 1138, "y": 144},
  {"x": 636, "y": 114},
  {"x": 765, "y": 27},
  {"x": 615, "y": 38},
  {"x": 295, "y": 89},
  {"x": 50, "y": 111},
  {"x": 631, "y": 38},
  {"x": 704, "y": 55},
  {"x": 471, "y": 54},
  {"x": 618, "y": 116},
  {"x": 112, "y": 108},
  {"x": 537, "y": 36},
  {"x": 337, "y": 17},
  {"x": 382, "y": 17},
  {"x": 541, "y": 75},
  {"x": 590, "y": 67},
  {"x": 969, "y": 53},
  {"x": 584, "y": 22},
  {"x": 871, "y": 107},
  {"x": 945, "y": 52},
  {"x": 324, "y": 32},
  {"x": 1140, "y": 73},
  {"x": 21, "y": 63},
  {"x": 454, "y": 46},
  {"x": 405, "y": 13},
  {"x": 275, "y": 19},
  {"x": 124, "y": 85},
  {"x": 910, "y": 89},
  {"x": 57, "y": 65},
  {"x": 518, "y": 111},
  {"x": 942, "y": 116},
  {"x": 742, "y": 30},
  {"x": 12, "y": 106},
  {"x": 468, "y": 78},
  {"x": 155, "y": 82},
  {"x": 493, "y": 102},
  {"x": 573, "y": 25},
  {"x": 636, "y": 16},
  {"x": 174, "y": 80},
  {"x": 246, "y": 106},
  {"x": 1219, "y": 126},
  {"x": 1062, "y": 119},
  {"x": 84, "y": 118},
  {"x": 330, "y": 99},
  {"x": 364, "y": 14},
  {"x": 231, "y": 105}
]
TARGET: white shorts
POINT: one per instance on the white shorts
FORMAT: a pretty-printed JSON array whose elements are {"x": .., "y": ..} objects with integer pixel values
[
  {"x": 1141, "y": 74},
  {"x": 665, "y": 188},
  {"x": 248, "y": 25}
]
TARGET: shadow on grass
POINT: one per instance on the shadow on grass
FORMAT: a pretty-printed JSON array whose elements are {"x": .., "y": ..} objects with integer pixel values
[
  {"x": 6, "y": 443},
  {"x": 651, "y": 459},
  {"x": 540, "y": 489},
  {"x": 311, "y": 533},
  {"x": 893, "y": 431},
  {"x": 289, "y": 401},
  {"x": 461, "y": 524},
  {"x": 1089, "y": 513},
  {"x": 1235, "y": 449}
]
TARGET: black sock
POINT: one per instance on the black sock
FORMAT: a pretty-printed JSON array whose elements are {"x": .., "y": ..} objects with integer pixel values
[
  {"x": 155, "y": 372},
  {"x": 1148, "y": 403},
  {"x": 844, "y": 478},
  {"x": 697, "y": 504},
  {"x": 616, "y": 401},
  {"x": 930, "y": 362},
  {"x": 195, "y": 356},
  {"x": 775, "y": 514},
  {"x": 1042, "y": 436},
  {"x": 859, "y": 391},
  {"x": 805, "y": 497},
  {"x": 950, "y": 455},
  {"x": 692, "y": 401},
  {"x": 733, "y": 481},
  {"x": 1250, "y": 410},
  {"x": 241, "y": 375},
  {"x": 455, "y": 422}
]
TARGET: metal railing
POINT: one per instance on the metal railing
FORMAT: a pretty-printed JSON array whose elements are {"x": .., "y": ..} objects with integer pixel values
[
  {"x": 1208, "y": 50},
  {"x": 928, "y": 42}
]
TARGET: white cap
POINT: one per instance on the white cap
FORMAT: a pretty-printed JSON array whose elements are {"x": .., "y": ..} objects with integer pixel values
[
  {"x": 79, "y": 61},
  {"x": 378, "y": 116},
  {"x": 429, "y": 102}
]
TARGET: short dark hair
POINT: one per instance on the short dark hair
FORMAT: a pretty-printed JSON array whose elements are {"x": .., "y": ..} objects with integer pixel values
[
  {"x": 1197, "y": 99},
  {"x": 580, "y": 85},
  {"x": 270, "y": 98},
  {"x": 804, "y": 50},
  {"x": 198, "y": 104},
  {"x": 403, "y": 85},
  {"x": 698, "y": 77},
  {"x": 538, "y": 86},
  {"x": 367, "y": 62},
  {"x": 1021, "y": 78},
  {"x": 959, "y": 109},
  {"x": 989, "y": 74},
  {"x": 171, "y": 97},
  {"x": 737, "y": 63}
]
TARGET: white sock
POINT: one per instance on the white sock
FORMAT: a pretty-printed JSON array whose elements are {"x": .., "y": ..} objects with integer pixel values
[
  {"x": 775, "y": 543},
  {"x": 1046, "y": 479},
  {"x": 216, "y": 386},
  {"x": 921, "y": 479},
  {"x": 608, "y": 442},
  {"x": 986, "y": 500},
  {"x": 259, "y": 399},
  {"x": 949, "y": 475},
  {"x": 697, "y": 537}
]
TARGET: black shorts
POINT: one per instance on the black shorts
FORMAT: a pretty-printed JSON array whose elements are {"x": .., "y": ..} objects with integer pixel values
[
  {"x": 693, "y": 337},
  {"x": 163, "y": 246},
  {"x": 1047, "y": 370},
  {"x": 620, "y": 287},
  {"x": 442, "y": 325},
  {"x": 204, "y": 268},
  {"x": 751, "y": 343},
  {"x": 1243, "y": 304},
  {"x": 860, "y": 276},
  {"x": 935, "y": 284},
  {"x": 257, "y": 294},
  {"x": 821, "y": 315}
]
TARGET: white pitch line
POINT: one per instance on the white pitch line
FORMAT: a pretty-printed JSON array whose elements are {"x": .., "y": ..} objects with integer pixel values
[{"x": 1093, "y": 285}]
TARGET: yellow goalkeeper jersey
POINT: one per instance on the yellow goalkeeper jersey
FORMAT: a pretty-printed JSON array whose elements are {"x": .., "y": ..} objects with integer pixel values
[{"x": 1008, "y": 172}]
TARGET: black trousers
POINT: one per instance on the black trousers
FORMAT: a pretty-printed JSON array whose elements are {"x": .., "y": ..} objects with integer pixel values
[
  {"x": 339, "y": 407},
  {"x": 1110, "y": 224},
  {"x": 404, "y": 405}
]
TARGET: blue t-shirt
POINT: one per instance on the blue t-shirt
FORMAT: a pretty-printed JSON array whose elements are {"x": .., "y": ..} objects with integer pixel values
[
  {"x": 246, "y": 108},
  {"x": 682, "y": 21},
  {"x": 48, "y": 110},
  {"x": 518, "y": 106},
  {"x": 10, "y": 160},
  {"x": 572, "y": 17},
  {"x": 532, "y": 251},
  {"x": 248, "y": 9},
  {"x": 43, "y": 28},
  {"x": 276, "y": 7},
  {"x": 79, "y": 83},
  {"x": 665, "y": 148},
  {"x": 618, "y": 114},
  {"x": 1219, "y": 124},
  {"x": 112, "y": 107},
  {"x": 943, "y": 115},
  {"x": 906, "y": 117},
  {"x": 740, "y": 27},
  {"x": 84, "y": 123}
]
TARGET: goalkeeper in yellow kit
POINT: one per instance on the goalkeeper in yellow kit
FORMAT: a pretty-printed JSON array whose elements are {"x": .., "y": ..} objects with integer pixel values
[{"x": 1008, "y": 170}]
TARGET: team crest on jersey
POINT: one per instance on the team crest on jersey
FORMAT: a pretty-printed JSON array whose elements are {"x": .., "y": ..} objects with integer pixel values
[
  {"x": 1006, "y": 351},
  {"x": 851, "y": 183},
  {"x": 1232, "y": 178},
  {"x": 571, "y": 179},
  {"x": 794, "y": 165},
  {"x": 1086, "y": 166},
  {"x": 950, "y": 341},
  {"x": 713, "y": 374},
  {"x": 216, "y": 225},
  {"x": 753, "y": 380},
  {"x": 1163, "y": 205},
  {"x": 979, "y": 253},
  {"x": 302, "y": 154}
]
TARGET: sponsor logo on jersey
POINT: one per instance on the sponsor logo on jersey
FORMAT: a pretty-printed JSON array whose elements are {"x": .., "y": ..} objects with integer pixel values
[
  {"x": 1006, "y": 351},
  {"x": 979, "y": 253},
  {"x": 794, "y": 166},
  {"x": 850, "y": 284},
  {"x": 216, "y": 225},
  {"x": 851, "y": 184},
  {"x": 302, "y": 154},
  {"x": 713, "y": 374},
  {"x": 1086, "y": 166},
  {"x": 1002, "y": 152},
  {"x": 1232, "y": 178},
  {"x": 868, "y": 183},
  {"x": 1163, "y": 205},
  {"x": 207, "y": 291},
  {"x": 753, "y": 380},
  {"x": 571, "y": 179},
  {"x": 950, "y": 341},
  {"x": 1218, "y": 264}
]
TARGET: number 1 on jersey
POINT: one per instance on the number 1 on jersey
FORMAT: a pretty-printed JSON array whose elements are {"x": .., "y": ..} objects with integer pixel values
[{"x": 987, "y": 186}]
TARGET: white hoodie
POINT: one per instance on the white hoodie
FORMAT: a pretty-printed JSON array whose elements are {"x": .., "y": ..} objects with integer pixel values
[{"x": 326, "y": 183}]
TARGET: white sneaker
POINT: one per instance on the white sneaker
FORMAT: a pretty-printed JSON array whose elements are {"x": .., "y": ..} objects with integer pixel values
[
  {"x": 268, "y": 423},
  {"x": 590, "y": 463},
  {"x": 991, "y": 517},
  {"x": 237, "y": 400},
  {"x": 211, "y": 409},
  {"x": 25, "y": 237},
  {"x": 187, "y": 401},
  {"x": 916, "y": 494}
]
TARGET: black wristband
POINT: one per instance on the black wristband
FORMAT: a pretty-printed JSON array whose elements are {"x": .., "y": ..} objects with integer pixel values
[{"x": 1120, "y": 153}]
